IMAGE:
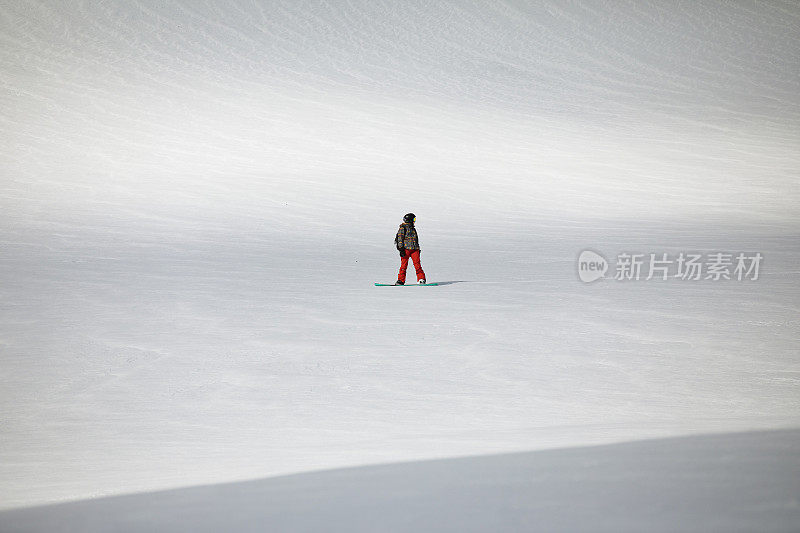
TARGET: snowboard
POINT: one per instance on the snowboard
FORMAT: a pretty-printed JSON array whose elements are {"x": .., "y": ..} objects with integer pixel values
[{"x": 407, "y": 285}]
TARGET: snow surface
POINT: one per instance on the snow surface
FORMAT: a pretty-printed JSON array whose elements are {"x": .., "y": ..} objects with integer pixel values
[
  {"x": 197, "y": 197},
  {"x": 734, "y": 482}
]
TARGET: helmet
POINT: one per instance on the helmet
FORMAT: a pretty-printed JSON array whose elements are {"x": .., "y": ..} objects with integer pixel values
[{"x": 410, "y": 218}]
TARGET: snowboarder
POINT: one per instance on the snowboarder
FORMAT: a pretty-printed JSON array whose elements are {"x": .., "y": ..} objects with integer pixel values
[{"x": 407, "y": 243}]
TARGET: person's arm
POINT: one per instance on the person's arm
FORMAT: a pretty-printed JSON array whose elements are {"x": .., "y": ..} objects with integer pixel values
[{"x": 399, "y": 240}]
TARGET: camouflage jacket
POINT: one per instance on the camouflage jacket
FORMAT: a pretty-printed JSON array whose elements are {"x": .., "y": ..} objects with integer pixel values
[{"x": 407, "y": 237}]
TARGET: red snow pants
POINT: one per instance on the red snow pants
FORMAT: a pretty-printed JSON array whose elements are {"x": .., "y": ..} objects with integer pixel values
[{"x": 414, "y": 255}]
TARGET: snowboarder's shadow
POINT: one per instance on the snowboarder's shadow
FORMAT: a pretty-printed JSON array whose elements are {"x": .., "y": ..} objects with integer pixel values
[{"x": 450, "y": 282}]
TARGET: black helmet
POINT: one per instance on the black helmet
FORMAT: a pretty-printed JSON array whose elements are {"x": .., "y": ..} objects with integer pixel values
[{"x": 410, "y": 218}]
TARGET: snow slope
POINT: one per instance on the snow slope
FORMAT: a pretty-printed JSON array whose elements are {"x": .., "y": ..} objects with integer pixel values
[
  {"x": 196, "y": 198},
  {"x": 750, "y": 482}
]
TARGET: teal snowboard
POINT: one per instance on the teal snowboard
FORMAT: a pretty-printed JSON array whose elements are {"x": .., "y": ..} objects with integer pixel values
[{"x": 408, "y": 285}]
